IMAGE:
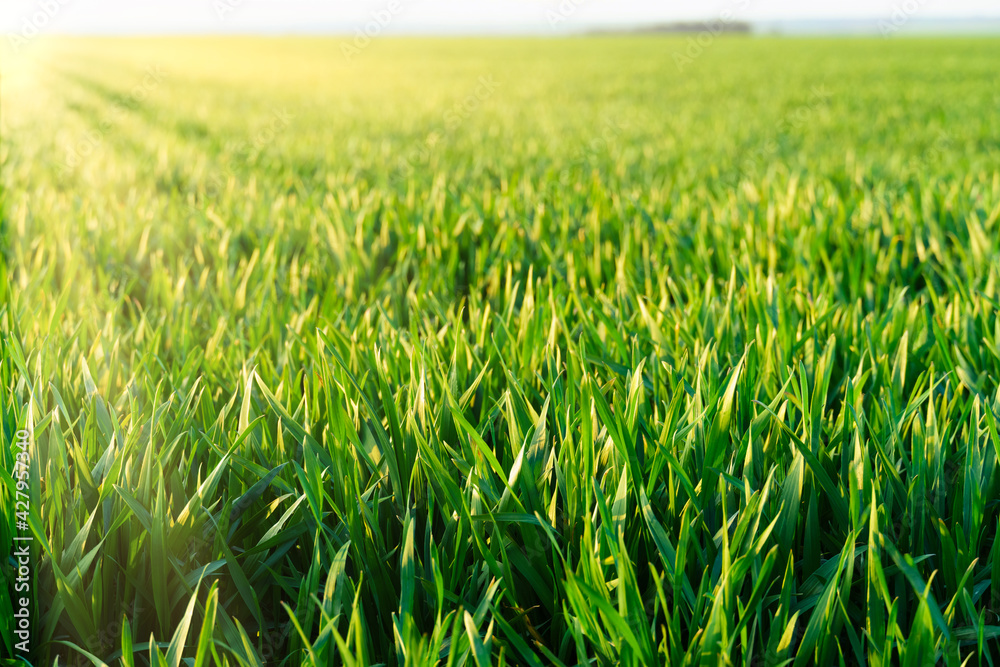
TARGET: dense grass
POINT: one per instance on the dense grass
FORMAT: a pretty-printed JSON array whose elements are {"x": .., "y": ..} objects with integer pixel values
[{"x": 325, "y": 363}]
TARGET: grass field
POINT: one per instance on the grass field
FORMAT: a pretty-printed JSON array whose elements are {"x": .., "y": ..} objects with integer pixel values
[{"x": 502, "y": 352}]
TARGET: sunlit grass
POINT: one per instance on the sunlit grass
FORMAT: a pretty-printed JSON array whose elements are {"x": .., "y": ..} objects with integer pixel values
[{"x": 334, "y": 362}]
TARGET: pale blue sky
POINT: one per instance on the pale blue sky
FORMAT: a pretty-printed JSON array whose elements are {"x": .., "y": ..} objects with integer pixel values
[{"x": 447, "y": 16}]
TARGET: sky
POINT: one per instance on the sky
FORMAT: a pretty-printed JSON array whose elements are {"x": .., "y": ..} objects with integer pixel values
[{"x": 454, "y": 16}]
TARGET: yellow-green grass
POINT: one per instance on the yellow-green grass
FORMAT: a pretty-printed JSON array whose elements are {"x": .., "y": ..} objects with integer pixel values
[{"x": 512, "y": 351}]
